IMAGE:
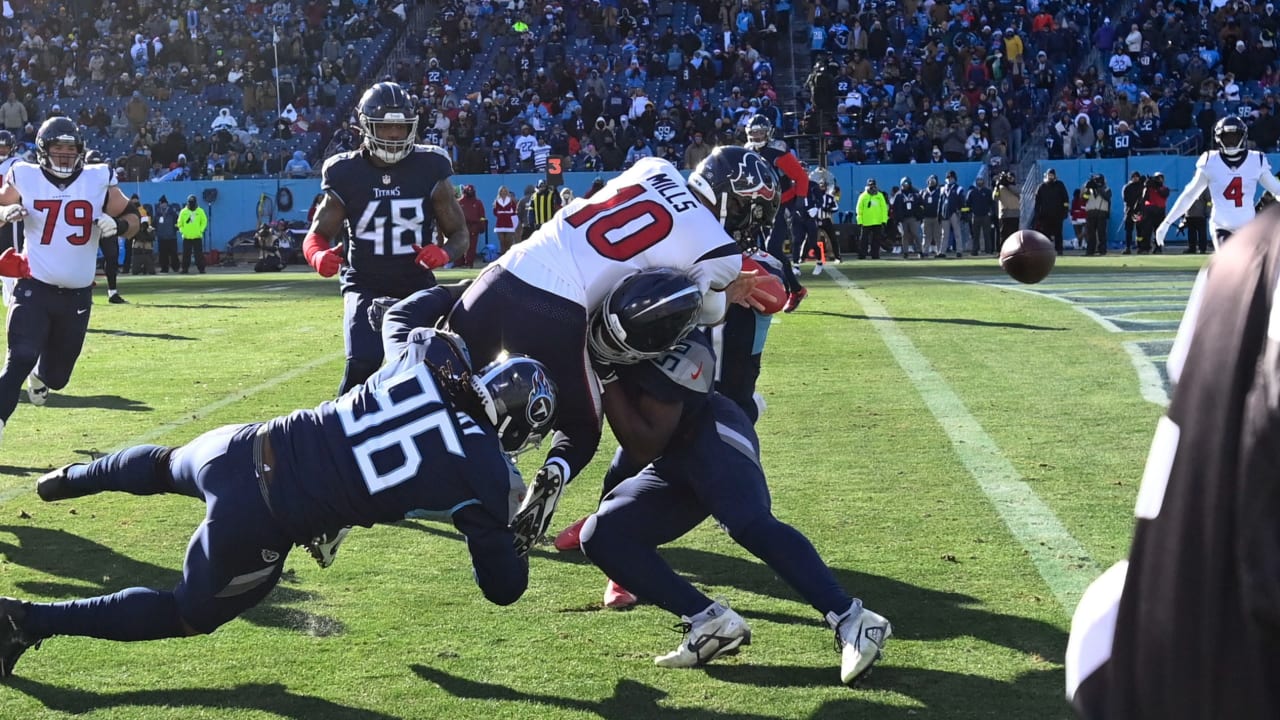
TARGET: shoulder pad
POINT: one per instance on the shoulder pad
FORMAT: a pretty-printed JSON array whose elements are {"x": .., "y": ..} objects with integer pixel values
[
  {"x": 334, "y": 160},
  {"x": 435, "y": 150},
  {"x": 778, "y": 145},
  {"x": 690, "y": 364}
]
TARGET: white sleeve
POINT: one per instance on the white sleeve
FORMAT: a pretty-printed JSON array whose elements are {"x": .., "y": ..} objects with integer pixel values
[
  {"x": 1188, "y": 196},
  {"x": 1268, "y": 179}
]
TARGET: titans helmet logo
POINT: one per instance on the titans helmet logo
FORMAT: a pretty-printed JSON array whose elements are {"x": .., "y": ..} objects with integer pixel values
[
  {"x": 754, "y": 179},
  {"x": 542, "y": 404}
]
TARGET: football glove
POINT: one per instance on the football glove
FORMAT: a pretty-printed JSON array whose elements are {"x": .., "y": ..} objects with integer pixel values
[
  {"x": 327, "y": 262},
  {"x": 431, "y": 257},
  {"x": 110, "y": 226},
  {"x": 534, "y": 516},
  {"x": 1161, "y": 231},
  {"x": 12, "y": 213},
  {"x": 14, "y": 264}
]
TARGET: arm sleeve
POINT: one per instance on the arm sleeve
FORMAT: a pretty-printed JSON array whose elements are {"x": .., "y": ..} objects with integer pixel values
[
  {"x": 1268, "y": 180},
  {"x": 422, "y": 309},
  {"x": 1188, "y": 196},
  {"x": 792, "y": 168},
  {"x": 501, "y": 574}
]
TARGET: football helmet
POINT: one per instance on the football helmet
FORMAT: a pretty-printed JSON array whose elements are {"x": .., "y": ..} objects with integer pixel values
[
  {"x": 1230, "y": 134},
  {"x": 6, "y": 143},
  {"x": 384, "y": 105},
  {"x": 739, "y": 186},
  {"x": 55, "y": 131},
  {"x": 519, "y": 398},
  {"x": 93, "y": 156},
  {"x": 643, "y": 316},
  {"x": 759, "y": 132}
]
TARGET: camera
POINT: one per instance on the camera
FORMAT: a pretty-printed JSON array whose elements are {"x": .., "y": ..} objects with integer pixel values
[{"x": 1005, "y": 179}]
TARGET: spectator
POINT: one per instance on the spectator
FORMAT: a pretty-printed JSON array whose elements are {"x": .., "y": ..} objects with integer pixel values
[
  {"x": 953, "y": 215},
  {"x": 506, "y": 216},
  {"x": 298, "y": 167},
  {"x": 1052, "y": 207},
  {"x": 13, "y": 115},
  {"x": 981, "y": 216},
  {"x": 224, "y": 121}
]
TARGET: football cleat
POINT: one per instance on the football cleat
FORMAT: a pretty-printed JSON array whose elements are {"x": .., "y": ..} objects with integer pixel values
[
  {"x": 37, "y": 391},
  {"x": 718, "y": 630},
  {"x": 13, "y": 640},
  {"x": 52, "y": 486},
  {"x": 794, "y": 300},
  {"x": 618, "y": 597},
  {"x": 570, "y": 538},
  {"x": 324, "y": 548},
  {"x": 860, "y": 636},
  {"x": 817, "y": 269},
  {"x": 117, "y": 300}
]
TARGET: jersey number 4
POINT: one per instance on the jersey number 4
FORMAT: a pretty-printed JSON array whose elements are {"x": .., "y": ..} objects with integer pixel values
[
  {"x": 646, "y": 222},
  {"x": 76, "y": 214},
  {"x": 1234, "y": 191},
  {"x": 394, "y": 225}
]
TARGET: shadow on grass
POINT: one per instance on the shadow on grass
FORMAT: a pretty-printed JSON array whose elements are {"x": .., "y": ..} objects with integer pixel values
[
  {"x": 86, "y": 568},
  {"x": 917, "y": 613},
  {"x": 198, "y": 306},
  {"x": 273, "y": 699},
  {"x": 143, "y": 335},
  {"x": 20, "y": 470},
  {"x": 105, "y": 402},
  {"x": 944, "y": 321},
  {"x": 941, "y": 692}
]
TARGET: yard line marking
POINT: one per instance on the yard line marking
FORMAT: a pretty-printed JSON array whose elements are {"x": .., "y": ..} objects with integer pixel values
[
  {"x": 1060, "y": 559},
  {"x": 1151, "y": 382},
  {"x": 1105, "y": 323},
  {"x": 200, "y": 414},
  {"x": 215, "y": 290}
]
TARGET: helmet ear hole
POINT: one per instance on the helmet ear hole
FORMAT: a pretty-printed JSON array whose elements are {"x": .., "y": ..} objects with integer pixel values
[{"x": 733, "y": 179}]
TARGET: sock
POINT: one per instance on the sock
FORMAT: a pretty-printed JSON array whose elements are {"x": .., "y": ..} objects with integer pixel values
[
  {"x": 129, "y": 615},
  {"x": 140, "y": 470},
  {"x": 112, "y": 292},
  {"x": 790, "y": 554}
]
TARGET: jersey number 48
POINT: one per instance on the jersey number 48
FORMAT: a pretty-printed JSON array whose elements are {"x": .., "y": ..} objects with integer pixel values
[{"x": 393, "y": 225}]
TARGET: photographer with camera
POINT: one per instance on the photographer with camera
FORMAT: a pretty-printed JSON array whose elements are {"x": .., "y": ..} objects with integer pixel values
[
  {"x": 821, "y": 85},
  {"x": 1131, "y": 194},
  {"x": 1008, "y": 204},
  {"x": 1097, "y": 206},
  {"x": 1155, "y": 198}
]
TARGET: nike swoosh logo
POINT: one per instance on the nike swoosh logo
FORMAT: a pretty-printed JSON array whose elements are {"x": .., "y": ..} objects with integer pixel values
[
  {"x": 81, "y": 312},
  {"x": 696, "y": 373}
]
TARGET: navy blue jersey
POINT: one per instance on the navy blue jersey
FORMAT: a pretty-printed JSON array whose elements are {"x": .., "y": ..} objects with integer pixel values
[
  {"x": 395, "y": 444},
  {"x": 738, "y": 343},
  {"x": 388, "y": 212},
  {"x": 685, "y": 373}
]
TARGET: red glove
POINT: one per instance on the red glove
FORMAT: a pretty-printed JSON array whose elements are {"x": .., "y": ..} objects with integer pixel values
[
  {"x": 14, "y": 265},
  {"x": 431, "y": 257},
  {"x": 319, "y": 255}
]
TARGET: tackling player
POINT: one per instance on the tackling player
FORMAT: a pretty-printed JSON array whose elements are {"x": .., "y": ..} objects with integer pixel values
[
  {"x": 688, "y": 452},
  {"x": 268, "y": 486},
  {"x": 538, "y": 298},
  {"x": 386, "y": 196},
  {"x": 64, "y": 203},
  {"x": 1232, "y": 174}
]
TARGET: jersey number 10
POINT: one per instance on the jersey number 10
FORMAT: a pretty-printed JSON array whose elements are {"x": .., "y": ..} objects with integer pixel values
[{"x": 613, "y": 214}]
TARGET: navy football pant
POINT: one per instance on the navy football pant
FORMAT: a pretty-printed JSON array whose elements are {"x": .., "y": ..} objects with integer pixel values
[
  {"x": 499, "y": 311},
  {"x": 718, "y": 474},
  {"x": 233, "y": 561},
  {"x": 777, "y": 238},
  {"x": 46, "y": 326},
  {"x": 362, "y": 339}
]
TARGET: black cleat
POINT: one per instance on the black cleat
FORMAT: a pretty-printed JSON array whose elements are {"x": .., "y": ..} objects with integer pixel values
[
  {"x": 117, "y": 300},
  {"x": 13, "y": 640},
  {"x": 52, "y": 486}
]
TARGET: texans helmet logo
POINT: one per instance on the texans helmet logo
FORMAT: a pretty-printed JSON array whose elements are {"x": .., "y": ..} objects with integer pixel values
[
  {"x": 542, "y": 405},
  {"x": 754, "y": 178}
]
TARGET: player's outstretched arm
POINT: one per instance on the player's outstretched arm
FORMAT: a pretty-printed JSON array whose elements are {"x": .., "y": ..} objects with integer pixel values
[
  {"x": 1182, "y": 204},
  {"x": 451, "y": 221},
  {"x": 1270, "y": 183}
]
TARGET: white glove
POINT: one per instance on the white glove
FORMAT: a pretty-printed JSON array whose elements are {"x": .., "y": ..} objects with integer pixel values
[
  {"x": 107, "y": 225},
  {"x": 1161, "y": 231},
  {"x": 12, "y": 213}
]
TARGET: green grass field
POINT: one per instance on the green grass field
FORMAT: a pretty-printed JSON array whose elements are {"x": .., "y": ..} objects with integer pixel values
[{"x": 964, "y": 453}]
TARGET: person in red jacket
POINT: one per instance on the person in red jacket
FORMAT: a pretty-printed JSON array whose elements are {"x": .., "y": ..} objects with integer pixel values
[
  {"x": 506, "y": 218},
  {"x": 477, "y": 222}
]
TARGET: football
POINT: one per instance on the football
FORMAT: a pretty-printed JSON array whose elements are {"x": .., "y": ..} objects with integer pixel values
[
  {"x": 771, "y": 293},
  {"x": 1027, "y": 256}
]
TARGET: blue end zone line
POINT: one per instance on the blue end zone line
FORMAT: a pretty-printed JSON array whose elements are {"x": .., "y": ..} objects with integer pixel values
[{"x": 1060, "y": 559}]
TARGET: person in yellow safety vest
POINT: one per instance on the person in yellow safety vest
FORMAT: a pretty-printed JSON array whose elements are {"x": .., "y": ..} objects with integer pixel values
[
  {"x": 191, "y": 224},
  {"x": 873, "y": 216}
]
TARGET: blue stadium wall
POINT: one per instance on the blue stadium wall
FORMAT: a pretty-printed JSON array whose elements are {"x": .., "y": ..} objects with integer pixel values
[{"x": 236, "y": 208}]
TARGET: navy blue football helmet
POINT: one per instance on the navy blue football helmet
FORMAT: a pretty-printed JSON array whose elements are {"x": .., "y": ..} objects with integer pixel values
[
  {"x": 383, "y": 105},
  {"x": 54, "y": 131},
  {"x": 759, "y": 132},
  {"x": 6, "y": 144},
  {"x": 644, "y": 316},
  {"x": 739, "y": 186},
  {"x": 519, "y": 398}
]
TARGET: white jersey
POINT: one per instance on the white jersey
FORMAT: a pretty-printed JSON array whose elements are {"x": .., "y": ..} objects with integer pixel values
[
  {"x": 644, "y": 218},
  {"x": 61, "y": 245},
  {"x": 1232, "y": 190}
]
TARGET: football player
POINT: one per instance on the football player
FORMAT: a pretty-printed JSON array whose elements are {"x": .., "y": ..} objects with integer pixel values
[
  {"x": 1232, "y": 174},
  {"x": 67, "y": 205},
  {"x": 384, "y": 197},
  {"x": 538, "y": 298},
  {"x": 1186, "y": 626},
  {"x": 268, "y": 486},
  {"x": 688, "y": 452},
  {"x": 793, "y": 183},
  {"x": 10, "y": 234}
]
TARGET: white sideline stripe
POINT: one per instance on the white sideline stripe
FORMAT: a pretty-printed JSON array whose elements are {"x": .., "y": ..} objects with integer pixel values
[
  {"x": 1105, "y": 323},
  {"x": 200, "y": 414},
  {"x": 1150, "y": 384},
  {"x": 1060, "y": 559}
]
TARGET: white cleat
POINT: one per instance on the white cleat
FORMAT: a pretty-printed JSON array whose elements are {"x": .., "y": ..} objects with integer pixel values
[
  {"x": 817, "y": 269},
  {"x": 37, "y": 391},
  {"x": 324, "y": 549},
  {"x": 860, "y": 636},
  {"x": 715, "y": 631}
]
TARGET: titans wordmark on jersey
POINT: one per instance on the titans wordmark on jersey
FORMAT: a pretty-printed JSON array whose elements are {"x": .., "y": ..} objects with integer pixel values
[
  {"x": 388, "y": 212},
  {"x": 60, "y": 221}
]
